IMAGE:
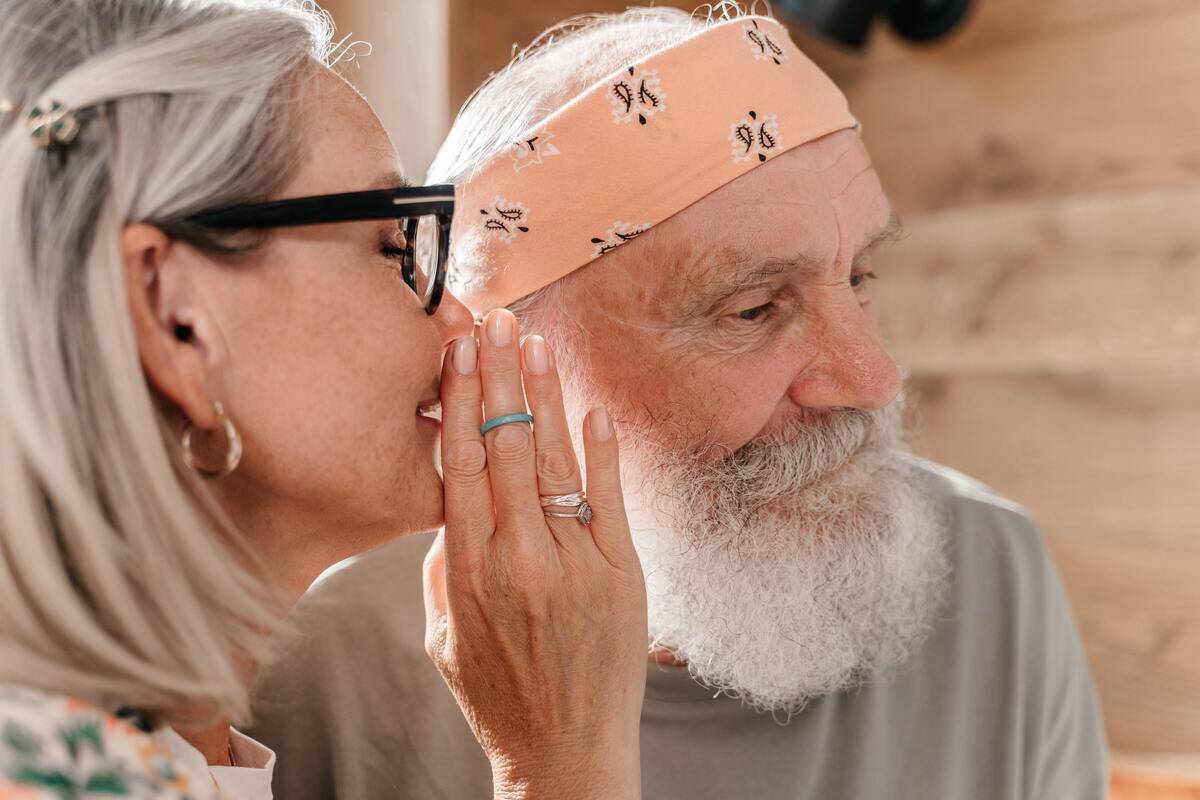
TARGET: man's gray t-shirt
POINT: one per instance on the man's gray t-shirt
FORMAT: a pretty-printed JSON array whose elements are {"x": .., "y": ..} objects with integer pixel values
[{"x": 997, "y": 704}]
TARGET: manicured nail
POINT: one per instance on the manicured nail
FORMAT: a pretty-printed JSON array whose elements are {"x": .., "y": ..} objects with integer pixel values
[
  {"x": 500, "y": 327},
  {"x": 598, "y": 420},
  {"x": 464, "y": 355},
  {"x": 537, "y": 358}
]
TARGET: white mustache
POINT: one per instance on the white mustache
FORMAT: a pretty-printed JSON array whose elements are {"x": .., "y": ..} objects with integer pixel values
[{"x": 773, "y": 469}]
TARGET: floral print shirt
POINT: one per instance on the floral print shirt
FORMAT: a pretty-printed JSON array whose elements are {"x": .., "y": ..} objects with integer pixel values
[{"x": 54, "y": 747}]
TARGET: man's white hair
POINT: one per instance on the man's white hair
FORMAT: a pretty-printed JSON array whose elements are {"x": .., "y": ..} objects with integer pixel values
[
  {"x": 559, "y": 64},
  {"x": 119, "y": 584}
]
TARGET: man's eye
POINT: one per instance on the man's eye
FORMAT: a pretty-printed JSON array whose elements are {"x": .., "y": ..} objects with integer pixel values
[
  {"x": 860, "y": 278},
  {"x": 751, "y": 314}
]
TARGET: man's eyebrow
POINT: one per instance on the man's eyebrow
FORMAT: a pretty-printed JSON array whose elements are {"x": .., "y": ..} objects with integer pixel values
[
  {"x": 390, "y": 180},
  {"x": 892, "y": 231},
  {"x": 733, "y": 272},
  {"x": 744, "y": 271}
]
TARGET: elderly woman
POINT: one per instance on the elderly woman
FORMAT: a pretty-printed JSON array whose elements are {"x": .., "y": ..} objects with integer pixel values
[{"x": 222, "y": 321}]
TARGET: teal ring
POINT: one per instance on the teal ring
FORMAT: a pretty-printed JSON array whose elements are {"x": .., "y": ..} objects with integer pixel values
[{"x": 507, "y": 418}]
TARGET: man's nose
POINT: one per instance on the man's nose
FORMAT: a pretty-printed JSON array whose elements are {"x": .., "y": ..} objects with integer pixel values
[
  {"x": 453, "y": 318},
  {"x": 851, "y": 368}
]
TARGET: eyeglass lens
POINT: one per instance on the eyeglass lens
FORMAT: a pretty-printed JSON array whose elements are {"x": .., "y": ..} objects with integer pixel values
[{"x": 424, "y": 242}]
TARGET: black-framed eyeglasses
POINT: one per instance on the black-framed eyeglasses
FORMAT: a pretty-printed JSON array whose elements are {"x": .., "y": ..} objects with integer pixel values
[{"x": 427, "y": 212}]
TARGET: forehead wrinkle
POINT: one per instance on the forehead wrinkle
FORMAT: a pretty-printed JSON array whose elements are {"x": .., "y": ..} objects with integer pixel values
[
  {"x": 724, "y": 270},
  {"x": 697, "y": 272}
]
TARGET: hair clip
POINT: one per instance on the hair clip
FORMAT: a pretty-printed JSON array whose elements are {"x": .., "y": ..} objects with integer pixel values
[{"x": 55, "y": 126}]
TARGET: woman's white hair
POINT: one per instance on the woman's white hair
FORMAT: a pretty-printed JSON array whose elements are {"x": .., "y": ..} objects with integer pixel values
[
  {"x": 559, "y": 64},
  {"x": 119, "y": 581}
]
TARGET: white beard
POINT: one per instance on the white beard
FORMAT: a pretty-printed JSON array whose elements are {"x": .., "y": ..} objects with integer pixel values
[{"x": 802, "y": 564}]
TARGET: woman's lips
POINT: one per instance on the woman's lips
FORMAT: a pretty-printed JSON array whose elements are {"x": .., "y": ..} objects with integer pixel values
[{"x": 430, "y": 412}]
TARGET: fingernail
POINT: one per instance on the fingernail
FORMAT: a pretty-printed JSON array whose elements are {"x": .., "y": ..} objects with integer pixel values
[
  {"x": 598, "y": 420},
  {"x": 500, "y": 327},
  {"x": 463, "y": 357},
  {"x": 536, "y": 356}
]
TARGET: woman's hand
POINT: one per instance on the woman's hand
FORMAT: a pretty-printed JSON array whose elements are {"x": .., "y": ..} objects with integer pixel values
[{"x": 538, "y": 624}]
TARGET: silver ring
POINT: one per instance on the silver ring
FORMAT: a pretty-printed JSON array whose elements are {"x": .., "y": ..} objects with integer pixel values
[
  {"x": 583, "y": 514},
  {"x": 573, "y": 499}
]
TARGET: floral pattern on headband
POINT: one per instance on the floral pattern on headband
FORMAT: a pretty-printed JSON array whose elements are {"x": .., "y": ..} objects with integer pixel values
[
  {"x": 618, "y": 234},
  {"x": 532, "y": 150},
  {"x": 640, "y": 96},
  {"x": 761, "y": 44},
  {"x": 505, "y": 219},
  {"x": 751, "y": 136}
]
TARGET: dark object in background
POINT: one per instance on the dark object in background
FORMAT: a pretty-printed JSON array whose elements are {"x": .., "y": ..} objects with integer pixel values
[
  {"x": 849, "y": 21},
  {"x": 925, "y": 20}
]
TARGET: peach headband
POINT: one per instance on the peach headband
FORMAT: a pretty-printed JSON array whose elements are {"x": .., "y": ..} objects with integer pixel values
[{"x": 635, "y": 149}]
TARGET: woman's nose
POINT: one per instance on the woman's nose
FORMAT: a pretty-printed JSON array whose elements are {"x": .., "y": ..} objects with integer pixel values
[{"x": 453, "y": 318}]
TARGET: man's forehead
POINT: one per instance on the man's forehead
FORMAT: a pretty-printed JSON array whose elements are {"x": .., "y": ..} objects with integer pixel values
[
  {"x": 803, "y": 237},
  {"x": 805, "y": 206},
  {"x": 815, "y": 211}
]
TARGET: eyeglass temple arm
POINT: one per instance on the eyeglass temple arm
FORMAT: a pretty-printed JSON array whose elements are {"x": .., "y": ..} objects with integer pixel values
[{"x": 348, "y": 207}]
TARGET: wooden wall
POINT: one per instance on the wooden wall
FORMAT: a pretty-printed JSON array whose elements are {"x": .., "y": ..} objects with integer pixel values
[
  {"x": 409, "y": 38},
  {"x": 1046, "y": 162}
]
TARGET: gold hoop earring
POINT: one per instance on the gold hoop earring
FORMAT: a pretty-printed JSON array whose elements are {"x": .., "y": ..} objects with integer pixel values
[{"x": 233, "y": 453}]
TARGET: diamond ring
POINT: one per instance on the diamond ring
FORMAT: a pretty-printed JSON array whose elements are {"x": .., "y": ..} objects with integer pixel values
[{"x": 583, "y": 514}]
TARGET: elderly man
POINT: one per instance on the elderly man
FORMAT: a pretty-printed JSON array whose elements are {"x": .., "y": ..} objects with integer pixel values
[{"x": 685, "y": 209}]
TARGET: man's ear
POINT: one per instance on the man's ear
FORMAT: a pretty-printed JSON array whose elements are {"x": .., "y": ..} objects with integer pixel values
[{"x": 176, "y": 337}]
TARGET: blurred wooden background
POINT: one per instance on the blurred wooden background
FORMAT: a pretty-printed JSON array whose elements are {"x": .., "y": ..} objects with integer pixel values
[{"x": 1046, "y": 162}]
